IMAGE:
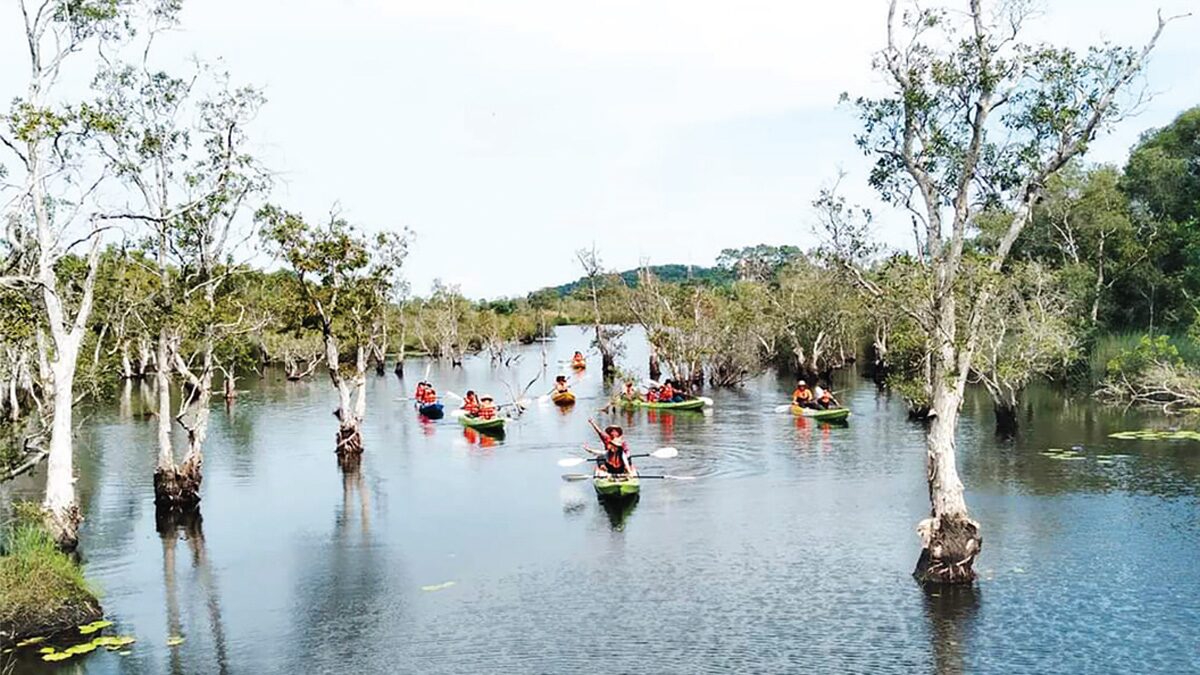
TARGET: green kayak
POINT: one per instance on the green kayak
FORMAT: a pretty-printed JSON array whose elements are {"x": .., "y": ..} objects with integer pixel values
[
  {"x": 607, "y": 486},
  {"x": 693, "y": 404},
  {"x": 494, "y": 424},
  {"x": 831, "y": 415}
]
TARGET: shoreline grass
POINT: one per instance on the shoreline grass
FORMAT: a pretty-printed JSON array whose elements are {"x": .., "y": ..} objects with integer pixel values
[{"x": 42, "y": 589}]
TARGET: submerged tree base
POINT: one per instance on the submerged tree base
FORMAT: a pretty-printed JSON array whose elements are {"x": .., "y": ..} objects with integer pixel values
[
  {"x": 949, "y": 548},
  {"x": 42, "y": 589},
  {"x": 178, "y": 487},
  {"x": 1006, "y": 421},
  {"x": 349, "y": 441}
]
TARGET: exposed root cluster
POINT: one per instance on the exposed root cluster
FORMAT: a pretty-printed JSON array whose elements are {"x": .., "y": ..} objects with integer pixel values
[{"x": 949, "y": 546}]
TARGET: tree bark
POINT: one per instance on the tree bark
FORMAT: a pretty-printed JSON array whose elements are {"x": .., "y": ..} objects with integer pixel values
[
  {"x": 950, "y": 540},
  {"x": 61, "y": 511}
]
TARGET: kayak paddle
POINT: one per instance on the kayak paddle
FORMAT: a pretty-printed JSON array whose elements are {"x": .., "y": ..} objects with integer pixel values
[
  {"x": 584, "y": 476},
  {"x": 661, "y": 453}
]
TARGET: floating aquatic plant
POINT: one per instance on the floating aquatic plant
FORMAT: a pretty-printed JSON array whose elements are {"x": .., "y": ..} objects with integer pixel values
[
  {"x": 437, "y": 587},
  {"x": 30, "y": 641},
  {"x": 89, "y": 628},
  {"x": 175, "y": 640},
  {"x": 1157, "y": 435}
]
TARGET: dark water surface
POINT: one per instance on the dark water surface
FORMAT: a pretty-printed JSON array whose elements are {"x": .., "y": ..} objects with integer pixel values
[{"x": 792, "y": 553}]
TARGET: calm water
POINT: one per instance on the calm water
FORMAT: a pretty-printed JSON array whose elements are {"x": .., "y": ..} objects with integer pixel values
[{"x": 792, "y": 553}]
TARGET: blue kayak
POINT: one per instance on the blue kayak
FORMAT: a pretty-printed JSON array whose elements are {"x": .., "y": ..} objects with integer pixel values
[{"x": 433, "y": 411}]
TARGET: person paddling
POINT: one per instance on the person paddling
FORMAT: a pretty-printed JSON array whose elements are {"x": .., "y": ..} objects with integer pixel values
[
  {"x": 560, "y": 385},
  {"x": 487, "y": 408},
  {"x": 578, "y": 361},
  {"x": 614, "y": 459},
  {"x": 803, "y": 396},
  {"x": 430, "y": 394},
  {"x": 630, "y": 393},
  {"x": 471, "y": 403},
  {"x": 419, "y": 396},
  {"x": 826, "y": 401}
]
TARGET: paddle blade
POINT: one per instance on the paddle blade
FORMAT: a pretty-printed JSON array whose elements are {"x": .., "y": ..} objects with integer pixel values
[
  {"x": 783, "y": 408},
  {"x": 571, "y": 461},
  {"x": 707, "y": 401},
  {"x": 458, "y": 413},
  {"x": 454, "y": 395},
  {"x": 576, "y": 476},
  {"x": 665, "y": 453},
  {"x": 668, "y": 477}
]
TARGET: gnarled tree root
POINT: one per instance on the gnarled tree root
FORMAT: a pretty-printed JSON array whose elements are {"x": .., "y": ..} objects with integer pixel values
[
  {"x": 178, "y": 487},
  {"x": 349, "y": 441},
  {"x": 949, "y": 546},
  {"x": 63, "y": 526}
]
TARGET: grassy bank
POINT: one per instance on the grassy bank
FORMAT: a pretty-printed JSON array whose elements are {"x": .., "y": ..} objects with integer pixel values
[
  {"x": 42, "y": 590},
  {"x": 1111, "y": 345}
]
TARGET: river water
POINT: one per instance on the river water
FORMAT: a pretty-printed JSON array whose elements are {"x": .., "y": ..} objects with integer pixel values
[{"x": 790, "y": 553}]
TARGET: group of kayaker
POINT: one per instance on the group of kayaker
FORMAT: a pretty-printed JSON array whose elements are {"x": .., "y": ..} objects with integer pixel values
[
  {"x": 820, "y": 399},
  {"x": 668, "y": 392}
]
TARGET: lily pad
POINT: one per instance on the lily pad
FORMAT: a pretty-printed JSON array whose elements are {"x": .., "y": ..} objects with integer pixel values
[
  {"x": 88, "y": 629},
  {"x": 114, "y": 642},
  {"x": 47, "y": 650},
  {"x": 438, "y": 587},
  {"x": 81, "y": 649},
  {"x": 175, "y": 640},
  {"x": 57, "y": 656},
  {"x": 1157, "y": 435}
]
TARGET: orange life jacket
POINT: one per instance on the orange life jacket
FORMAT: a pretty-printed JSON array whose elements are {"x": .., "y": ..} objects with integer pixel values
[
  {"x": 430, "y": 396},
  {"x": 614, "y": 459},
  {"x": 487, "y": 412},
  {"x": 471, "y": 405},
  {"x": 804, "y": 394},
  {"x": 667, "y": 392}
]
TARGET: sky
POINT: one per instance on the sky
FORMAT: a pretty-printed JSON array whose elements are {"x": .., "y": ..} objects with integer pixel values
[{"x": 507, "y": 135}]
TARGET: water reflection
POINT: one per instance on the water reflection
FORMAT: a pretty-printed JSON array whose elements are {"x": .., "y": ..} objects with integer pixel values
[
  {"x": 618, "y": 510},
  {"x": 950, "y": 612},
  {"x": 174, "y": 526}
]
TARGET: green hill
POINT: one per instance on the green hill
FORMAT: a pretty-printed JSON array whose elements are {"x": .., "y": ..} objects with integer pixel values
[{"x": 666, "y": 273}]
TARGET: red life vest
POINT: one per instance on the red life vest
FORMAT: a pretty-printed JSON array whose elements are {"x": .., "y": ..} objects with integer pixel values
[
  {"x": 487, "y": 413},
  {"x": 614, "y": 458}
]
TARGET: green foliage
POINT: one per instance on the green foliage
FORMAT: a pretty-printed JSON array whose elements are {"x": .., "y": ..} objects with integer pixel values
[
  {"x": 40, "y": 586},
  {"x": 1148, "y": 351}
]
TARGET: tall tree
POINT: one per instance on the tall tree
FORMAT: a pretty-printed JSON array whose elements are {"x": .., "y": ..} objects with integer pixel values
[
  {"x": 974, "y": 117},
  {"x": 54, "y": 209},
  {"x": 595, "y": 281},
  {"x": 180, "y": 145},
  {"x": 346, "y": 278}
]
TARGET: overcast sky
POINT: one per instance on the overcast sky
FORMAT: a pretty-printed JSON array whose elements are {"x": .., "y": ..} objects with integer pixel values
[{"x": 508, "y": 134}]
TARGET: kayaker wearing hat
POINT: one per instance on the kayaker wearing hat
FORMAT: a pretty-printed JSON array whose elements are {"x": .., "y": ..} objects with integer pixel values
[
  {"x": 802, "y": 396},
  {"x": 614, "y": 460},
  {"x": 487, "y": 408}
]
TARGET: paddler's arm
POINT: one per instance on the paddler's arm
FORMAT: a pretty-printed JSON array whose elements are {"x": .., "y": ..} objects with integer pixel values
[{"x": 603, "y": 436}]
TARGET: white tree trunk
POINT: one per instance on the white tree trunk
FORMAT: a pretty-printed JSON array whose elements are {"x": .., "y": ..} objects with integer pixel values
[{"x": 59, "y": 504}]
